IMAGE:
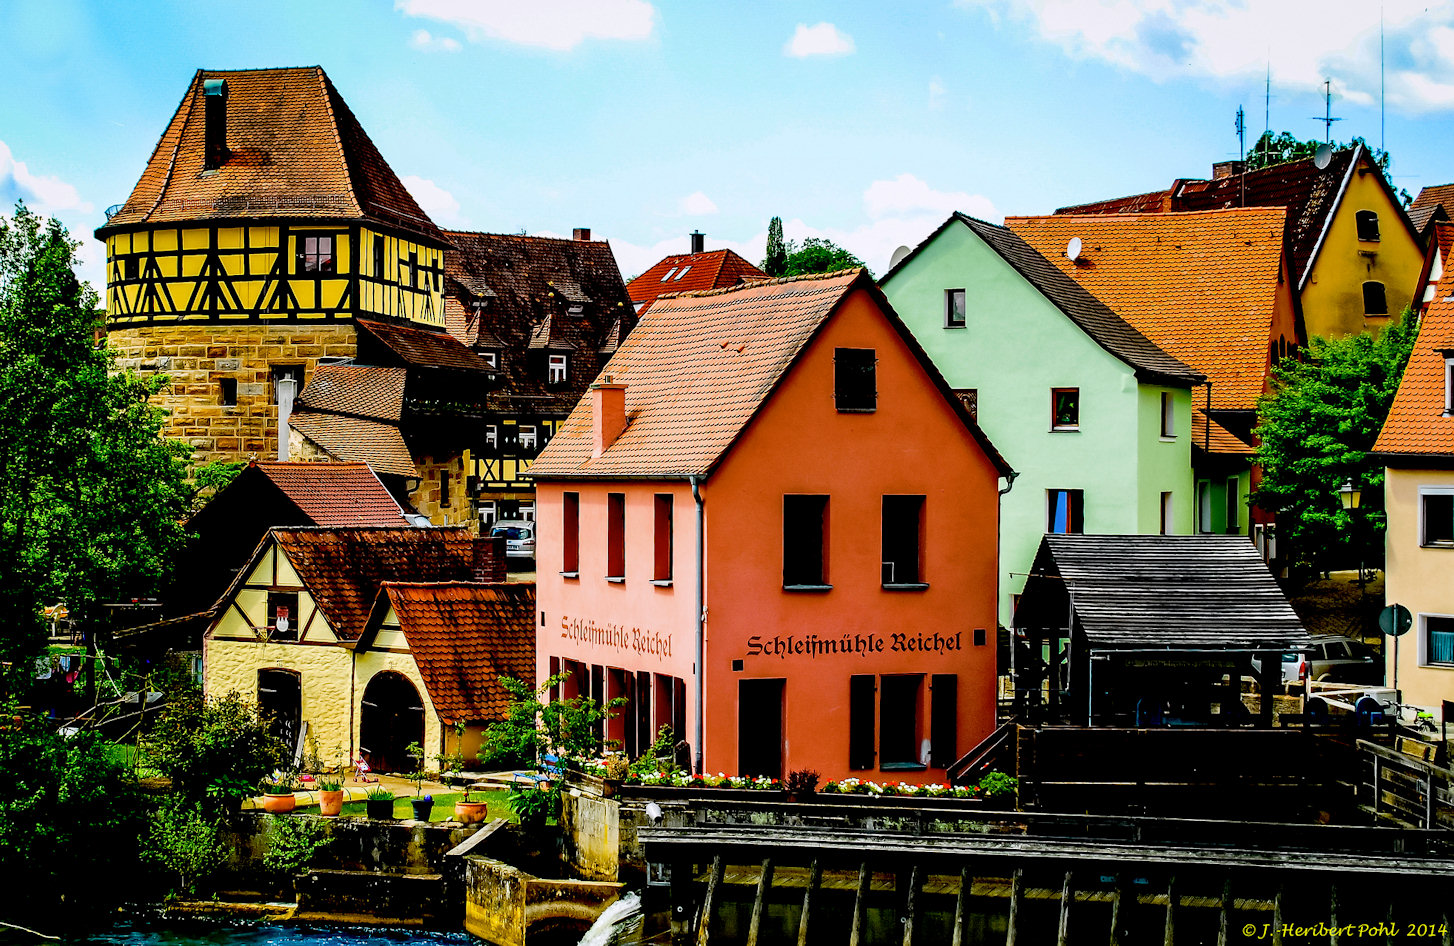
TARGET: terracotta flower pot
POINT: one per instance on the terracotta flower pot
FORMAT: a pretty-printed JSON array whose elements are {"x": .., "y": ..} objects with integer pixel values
[
  {"x": 330, "y": 804},
  {"x": 279, "y": 804},
  {"x": 471, "y": 812}
]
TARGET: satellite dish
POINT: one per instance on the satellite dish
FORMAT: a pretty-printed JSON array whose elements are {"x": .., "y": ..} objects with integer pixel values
[
  {"x": 1072, "y": 249},
  {"x": 898, "y": 256},
  {"x": 1322, "y": 157}
]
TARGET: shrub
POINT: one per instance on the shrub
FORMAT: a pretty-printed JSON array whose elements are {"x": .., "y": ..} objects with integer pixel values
[
  {"x": 998, "y": 785},
  {"x": 802, "y": 782},
  {"x": 292, "y": 845},
  {"x": 214, "y": 750},
  {"x": 184, "y": 838}
]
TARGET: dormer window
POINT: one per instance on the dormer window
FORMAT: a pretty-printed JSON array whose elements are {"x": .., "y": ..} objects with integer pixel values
[
  {"x": 575, "y": 310},
  {"x": 668, "y": 274},
  {"x": 1367, "y": 225},
  {"x": 556, "y": 369}
]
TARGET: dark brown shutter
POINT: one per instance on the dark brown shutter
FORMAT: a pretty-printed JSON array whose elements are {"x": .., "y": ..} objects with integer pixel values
[
  {"x": 860, "y": 721},
  {"x": 943, "y": 719}
]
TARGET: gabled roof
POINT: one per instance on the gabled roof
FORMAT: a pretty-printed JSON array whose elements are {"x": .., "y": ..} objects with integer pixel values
[
  {"x": 1161, "y": 593},
  {"x": 1432, "y": 204},
  {"x": 377, "y": 443},
  {"x": 418, "y": 348},
  {"x": 1107, "y": 329},
  {"x": 365, "y": 390},
  {"x": 1417, "y": 427},
  {"x": 1203, "y": 286},
  {"x": 343, "y": 568},
  {"x": 1437, "y": 263},
  {"x": 294, "y": 149},
  {"x": 691, "y": 272},
  {"x": 463, "y": 637},
  {"x": 335, "y": 495},
  {"x": 699, "y": 366}
]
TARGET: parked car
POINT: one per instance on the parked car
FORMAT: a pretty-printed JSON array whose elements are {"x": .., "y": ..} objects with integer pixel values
[
  {"x": 519, "y": 537},
  {"x": 1331, "y": 658}
]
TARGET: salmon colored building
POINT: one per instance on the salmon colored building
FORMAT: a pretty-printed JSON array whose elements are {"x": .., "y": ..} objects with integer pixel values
[{"x": 773, "y": 527}]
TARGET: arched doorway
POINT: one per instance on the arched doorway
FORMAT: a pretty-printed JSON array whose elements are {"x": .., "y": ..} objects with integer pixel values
[
  {"x": 280, "y": 702},
  {"x": 391, "y": 719}
]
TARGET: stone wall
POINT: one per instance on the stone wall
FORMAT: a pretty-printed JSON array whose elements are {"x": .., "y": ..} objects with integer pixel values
[
  {"x": 505, "y": 905},
  {"x": 590, "y": 828},
  {"x": 452, "y": 508},
  {"x": 197, "y": 357}
]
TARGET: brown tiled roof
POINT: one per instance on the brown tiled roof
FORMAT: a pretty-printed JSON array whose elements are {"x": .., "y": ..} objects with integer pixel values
[
  {"x": 1440, "y": 241},
  {"x": 1433, "y": 203},
  {"x": 417, "y": 347},
  {"x": 464, "y": 637},
  {"x": 376, "y": 443},
  {"x": 1212, "y": 437},
  {"x": 293, "y": 150},
  {"x": 336, "y": 495},
  {"x": 1202, "y": 286},
  {"x": 343, "y": 568},
  {"x": 364, "y": 390},
  {"x": 691, "y": 272},
  {"x": 1416, "y": 424},
  {"x": 699, "y": 365},
  {"x": 1149, "y": 203}
]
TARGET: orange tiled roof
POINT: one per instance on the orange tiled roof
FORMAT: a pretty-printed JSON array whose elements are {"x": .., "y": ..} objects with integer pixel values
[
  {"x": 343, "y": 568},
  {"x": 293, "y": 150},
  {"x": 336, "y": 495},
  {"x": 1212, "y": 437},
  {"x": 378, "y": 444},
  {"x": 1202, "y": 286},
  {"x": 1417, "y": 425},
  {"x": 464, "y": 637},
  {"x": 365, "y": 390},
  {"x": 699, "y": 365},
  {"x": 691, "y": 272}
]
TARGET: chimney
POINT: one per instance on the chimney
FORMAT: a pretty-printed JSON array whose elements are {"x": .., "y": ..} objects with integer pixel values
[
  {"x": 1221, "y": 169},
  {"x": 287, "y": 389},
  {"x": 488, "y": 561},
  {"x": 214, "y": 95},
  {"x": 608, "y": 414},
  {"x": 699, "y": 241},
  {"x": 581, "y": 234}
]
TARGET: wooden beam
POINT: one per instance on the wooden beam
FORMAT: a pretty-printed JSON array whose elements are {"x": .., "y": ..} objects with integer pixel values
[
  {"x": 1277, "y": 916},
  {"x": 704, "y": 925},
  {"x": 858, "y": 935},
  {"x": 815, "y": 877},
  {"x": 961, "y": 904},
  {"x": 1067, "y": 896},
  {"x": 1168, "y": 938},
  {"x": 1333, "y": 937},
  {"x": 759, "y": 904},
  {"x": 1225, "y": 921},
  {"x": 1116, "y": 919},
  {"x": 911, "y": 905},
  {"x": 1017, "y": 893}
]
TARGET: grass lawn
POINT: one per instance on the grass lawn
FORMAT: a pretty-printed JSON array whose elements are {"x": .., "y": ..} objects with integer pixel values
[{"x": 443, "y": 806}]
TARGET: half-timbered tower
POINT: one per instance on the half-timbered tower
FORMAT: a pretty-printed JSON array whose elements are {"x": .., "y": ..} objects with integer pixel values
[{"x": 265, "y": 223}]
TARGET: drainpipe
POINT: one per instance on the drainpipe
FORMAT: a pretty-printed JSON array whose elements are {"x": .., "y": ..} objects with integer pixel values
[
  {"x": 701, "y": 615},
  {"x": 999, "y": 532}
]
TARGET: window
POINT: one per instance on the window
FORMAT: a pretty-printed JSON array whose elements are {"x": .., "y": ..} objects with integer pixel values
[
  {"x": 378, "y": 256},
  {"x": 316, "y": 255},
  {"x": 668, "y": 274},
  {"x": 1437, "y": 516},
  {"x": 944, "y": 715},
  {"x": 1168, "y": 522},
  {"x": 570, "y": 530},
  {"x": 900, "y": 720},
  {"x": 1168, "y": 415},
  {"x": 229, "y": 391},
  {"x": 954, "y": 308},
  {"x": 903, "y": 537},
  {"x": 1438, "y": 639},
  {"x": 488, "y": 515},
  {"x": 1367, "y": 225},
  {"x": 969, "y": 397},
  {"x": 862, "y": 688},
  {"x": 615, "y": 536},
  {"x": 1065, "y": 409},
  {"x": 413, "y": 270},
  {"x": 854, "y": 386},
  {"x": 662, "y": 557},
  {"x": 526, "y": 510},
  {"x": 527, "y": 436},
  {"x": 556, "y": 370},
  {"x": 683, "y": 271},
  {"x": 1448, "y": 386},
  {"x": 1234, "y": 505},
  {"x": 805, "y": 542},
  {"x": 1374, "y": 302},
  {"x": 133, "y": 267},
  {"x": 1065, "y": 514},
  {"x": 492, "y": 435},
  {"x": 282, "y": 615},
  {"x": 1204, "y": 506}
]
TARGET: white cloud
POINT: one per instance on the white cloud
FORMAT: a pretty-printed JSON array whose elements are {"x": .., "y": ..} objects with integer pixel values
[
  {"x": 439, "y": 203},
  {"x": 551, "y": 24},
  {"x": 906, "y": 194},
  {"x": 937, "y": 92},
  {"x": 422, "y": 40},
  {"x": 1236, "y": 41},
  {"x": 49, "y": 196},
  {"x": 698, "y": 203},
  {"x": 825, "y": 39}
]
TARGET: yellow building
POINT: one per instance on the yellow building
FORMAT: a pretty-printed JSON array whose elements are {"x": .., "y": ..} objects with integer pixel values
[
  {"x": 325, "y": 630},
  {"x": 1417, "y": 448}
]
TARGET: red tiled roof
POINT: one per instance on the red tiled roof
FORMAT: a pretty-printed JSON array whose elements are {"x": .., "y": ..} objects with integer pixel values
[
  {"x": 1417, "y": 424},
  {"x": 1432, "y": 202},
  {"x": 364, "y": 390},
  {"x": 1202, "y": 286},
  {"x": 1208, "y": 435},
  {"x": 293, "y": 150},
  {"x": 420, "y": 348},
  {"x": 343, "y": 568},
  {"x": 464, "y": 637},
  {"x": 699, "y": 365},
  {"x": 691, "y": 272},
  {"x": 336, "y": 495},
  {"x": 378, "y": 444}
]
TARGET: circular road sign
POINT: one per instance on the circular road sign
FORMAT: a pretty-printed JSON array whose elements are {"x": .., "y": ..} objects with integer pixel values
[{"x": 1395, "y": 620}]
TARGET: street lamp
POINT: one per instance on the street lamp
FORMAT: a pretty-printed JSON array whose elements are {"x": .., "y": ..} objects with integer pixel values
[{"x": 1351, "y": 496}]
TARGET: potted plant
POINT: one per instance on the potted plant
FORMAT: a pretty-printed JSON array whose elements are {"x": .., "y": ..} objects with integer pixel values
[
  {"x": 532, "y": 805},
  {"x": 470, "y": 812},
  {"x": 421, "y": 803},
  {"x": 617, "y": 768},
  {"x": 801, "y": 785},
  {"x": 278, "y": 795},
  {"x": 330, "y": 796},
  {"x": 379, "y": 804}
]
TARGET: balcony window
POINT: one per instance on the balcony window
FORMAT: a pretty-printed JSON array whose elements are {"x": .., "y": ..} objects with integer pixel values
[{"x": 854, "y": 383}]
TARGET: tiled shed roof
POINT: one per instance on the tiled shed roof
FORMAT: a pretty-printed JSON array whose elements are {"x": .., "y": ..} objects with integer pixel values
[
  {"x": 691, "y": 272},
  {"x": 464, "y": 637},
  {"x": 1203, "y": 286},
  {"x": 1212, "y": 437},
  {"x": 336, "y": 495},
  {"x": 419, "y": 348},
  {"x": 1433, "y": 203},
  {"x": 1417, "y": 426},
  {"x": 293, "y": 150},
  {"x": 364, "y": 390},
  {"x": 699, "y": 365},
  {"x": 376, "y": 443},
  {"x": 343, "y": 568}
]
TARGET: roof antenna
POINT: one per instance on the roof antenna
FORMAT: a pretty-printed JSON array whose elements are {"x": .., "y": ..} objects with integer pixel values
[
  {"x": 1327, "y": 118},
  {"x": 1267, "y": 111},
  {"x": 1382, "y": 144},
  {"x": 1242, "y": 154}
]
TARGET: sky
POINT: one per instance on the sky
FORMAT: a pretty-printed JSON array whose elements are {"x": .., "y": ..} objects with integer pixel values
[{"x": 863, "y": 122}]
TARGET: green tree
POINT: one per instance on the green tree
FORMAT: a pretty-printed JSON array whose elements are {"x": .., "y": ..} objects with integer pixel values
[
  {"x": 209, "y": 479},
  {"x": 534, "y": 726},
  {"x": 215, "y": 751},
  {"x": 775, "y": 263},
  {"x": 815, "y": 255},
  {"x": 1284, "y": 146},
  {"x": 91, "y": 497},
  {"x": 1316, "y": 427}
]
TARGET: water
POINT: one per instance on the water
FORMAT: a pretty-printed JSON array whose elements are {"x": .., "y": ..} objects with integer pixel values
[
  {"x": 214, "y": 934},
  {"x": 620, "y": 919}
]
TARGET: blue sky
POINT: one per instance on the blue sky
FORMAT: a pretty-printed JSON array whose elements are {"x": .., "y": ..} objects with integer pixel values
[{"x": 862, "y": 122}]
